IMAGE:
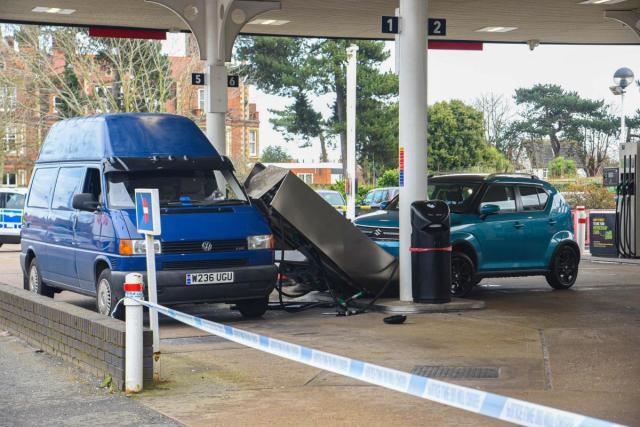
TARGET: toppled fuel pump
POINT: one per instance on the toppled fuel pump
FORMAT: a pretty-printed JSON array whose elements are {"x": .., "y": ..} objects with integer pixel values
[{"x": 338, "y": 254}]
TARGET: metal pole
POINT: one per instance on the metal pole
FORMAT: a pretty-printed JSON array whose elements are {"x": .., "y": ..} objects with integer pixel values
[
  {"x": 352, "y": 67},
  {"x": 216, "y": 80},
  {"x": 153, "y": 297},
  {"x": 623, "y": 129},
  {"x": 412, "y": 43}
]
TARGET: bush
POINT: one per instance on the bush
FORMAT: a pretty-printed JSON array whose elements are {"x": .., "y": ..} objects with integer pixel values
[
  {"x": 590, "y": 196},
  {"x": 560, "y": 167},
  {"x": 390, "y": 178}
]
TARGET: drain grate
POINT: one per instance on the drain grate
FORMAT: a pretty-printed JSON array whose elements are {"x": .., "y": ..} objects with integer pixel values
[{"x": 456, "y": 372}]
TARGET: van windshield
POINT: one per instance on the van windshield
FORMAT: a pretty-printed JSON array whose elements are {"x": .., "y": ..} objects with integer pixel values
[{"x": 176, "y": 187}]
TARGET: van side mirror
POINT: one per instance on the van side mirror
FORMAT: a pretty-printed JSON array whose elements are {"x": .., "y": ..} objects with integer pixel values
[
  {"x": 489, "y": 209},
  {"x": 384, "y": 205},
  {"x": 85, "y": 202}
]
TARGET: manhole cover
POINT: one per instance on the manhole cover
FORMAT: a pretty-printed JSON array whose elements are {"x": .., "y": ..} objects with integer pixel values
[{"x": 456, "y": 372}]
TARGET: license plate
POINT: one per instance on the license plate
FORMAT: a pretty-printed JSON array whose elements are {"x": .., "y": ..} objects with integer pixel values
[{"x": 209, "y": 278}]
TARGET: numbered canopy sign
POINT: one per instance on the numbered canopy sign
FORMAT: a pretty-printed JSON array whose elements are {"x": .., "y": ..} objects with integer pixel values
[
  {"x": 233, "y": 81},
  {"x": 197, "y": 79},
  {"x": 148, "y": 211},
  {"x": 437, "y": 27},
  {"x": 390, "y": 25}
]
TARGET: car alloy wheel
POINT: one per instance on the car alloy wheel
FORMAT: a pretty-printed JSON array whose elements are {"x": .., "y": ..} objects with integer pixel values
[
  {"x": 462, "y": 275},
  {"x": 567, "y": 266}
]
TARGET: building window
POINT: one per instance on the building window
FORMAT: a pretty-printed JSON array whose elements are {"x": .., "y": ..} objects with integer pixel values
[
  {"x": 307, "y": 178},
  {"x": 9, "y": 179},
  {"x": 22, "y": 178},
  {"x": 8, "y": 98},
  {"x": 57, "y": 104},
  {"x": 253, "y": 143},
  {"x": 228, "y": 140},
  {"x": 10, "y": 139},
  {"x": 201, "y": 99}
]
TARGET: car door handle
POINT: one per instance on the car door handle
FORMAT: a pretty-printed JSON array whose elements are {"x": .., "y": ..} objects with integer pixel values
[
  {"x": 552, "y": 222},
  {"x": 518, "y": 225}
]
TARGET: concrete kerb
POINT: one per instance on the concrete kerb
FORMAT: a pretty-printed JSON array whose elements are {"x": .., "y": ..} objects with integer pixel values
[{"x": 91, "y": 341}]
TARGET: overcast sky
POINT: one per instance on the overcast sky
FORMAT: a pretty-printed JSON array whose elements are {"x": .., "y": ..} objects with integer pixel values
[{"x": 499, "y": 69}]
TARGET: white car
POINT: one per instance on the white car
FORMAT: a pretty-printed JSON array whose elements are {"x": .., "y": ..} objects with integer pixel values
[{"x": 11, "y": 208}]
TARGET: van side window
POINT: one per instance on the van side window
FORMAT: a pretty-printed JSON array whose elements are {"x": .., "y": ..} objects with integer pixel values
[
  {"x": 40, "y": 193},
  {"x": 92, "y": 183},
  {"x": 68, "y": 184}
]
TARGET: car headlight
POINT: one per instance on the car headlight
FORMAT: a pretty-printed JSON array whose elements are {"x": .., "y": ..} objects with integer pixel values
[
  {"x": 263, "y": 241},
  {"x": 137, "y": 247}
]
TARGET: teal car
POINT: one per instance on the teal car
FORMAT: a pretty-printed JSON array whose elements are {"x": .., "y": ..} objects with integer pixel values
[{"x": 501, "y": 225}]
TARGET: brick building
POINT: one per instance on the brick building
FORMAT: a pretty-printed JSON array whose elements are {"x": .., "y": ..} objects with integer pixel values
[{"x": 27, "y": 112}]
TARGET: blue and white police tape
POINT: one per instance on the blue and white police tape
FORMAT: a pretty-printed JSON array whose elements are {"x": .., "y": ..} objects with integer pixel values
[{"x": 477, "y": 401}]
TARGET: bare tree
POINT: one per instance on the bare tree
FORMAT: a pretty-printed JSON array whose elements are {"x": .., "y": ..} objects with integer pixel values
[
  {"x": 497, "y": 112},
  {"x": 88, "y": 76}
]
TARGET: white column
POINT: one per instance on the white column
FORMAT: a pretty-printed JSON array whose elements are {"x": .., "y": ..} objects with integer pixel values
[
  {"x": 216, "y": 80},
  {"x": 623, "y": 128},
  {"x": 413, "y": 124},
  {"x": 352, "y": 67},
  {"x": 150, "y": 255}
]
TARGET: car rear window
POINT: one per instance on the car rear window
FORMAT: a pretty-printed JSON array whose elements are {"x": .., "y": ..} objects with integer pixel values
[{"x": 533, "y": 198}]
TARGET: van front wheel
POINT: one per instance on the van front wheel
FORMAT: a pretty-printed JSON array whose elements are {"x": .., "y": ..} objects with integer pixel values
[
  {"x": 253, "y": 308},
  {"x": 105, "y": 295}
]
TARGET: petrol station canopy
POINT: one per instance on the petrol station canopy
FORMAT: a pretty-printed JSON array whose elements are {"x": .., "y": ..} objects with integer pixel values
[{"x": 548, "y": 21}]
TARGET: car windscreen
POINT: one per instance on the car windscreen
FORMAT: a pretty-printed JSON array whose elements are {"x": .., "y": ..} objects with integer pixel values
[
  {"x": 175, "y": 187},
  {"x": 334, "y": 199},
  {"x": 458, "y": 195}
]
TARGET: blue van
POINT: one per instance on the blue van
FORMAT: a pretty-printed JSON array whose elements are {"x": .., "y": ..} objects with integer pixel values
[{"x": 79, "y": 228}]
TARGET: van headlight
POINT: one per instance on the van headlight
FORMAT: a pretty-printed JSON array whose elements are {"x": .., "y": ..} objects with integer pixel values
[
  {"x": 263, "y": 241},
  {"x": 137, "y": 247}
]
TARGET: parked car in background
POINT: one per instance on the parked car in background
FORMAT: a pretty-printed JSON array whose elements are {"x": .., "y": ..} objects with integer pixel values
[
  {"x": 501, "y": 225},
  {"x": 11, "y": 208},
  {"x": 335, "y": 199},
  {"x": 79, "y": 231},
  {"x": 374, "y": 198}
]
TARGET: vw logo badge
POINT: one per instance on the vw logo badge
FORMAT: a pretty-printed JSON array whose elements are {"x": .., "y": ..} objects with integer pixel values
[
  {"x": 207, "y": 246},
  {"x": 377, "y": 232}
]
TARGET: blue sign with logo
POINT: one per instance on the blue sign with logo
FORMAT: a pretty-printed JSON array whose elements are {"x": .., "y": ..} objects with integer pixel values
[{"x": 148, "y": 211}]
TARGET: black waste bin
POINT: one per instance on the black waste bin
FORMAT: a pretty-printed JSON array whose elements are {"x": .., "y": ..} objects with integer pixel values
[{"x": 430, "y": 252}]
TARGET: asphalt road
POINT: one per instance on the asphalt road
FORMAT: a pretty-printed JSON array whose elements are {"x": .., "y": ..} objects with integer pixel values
[{"x": 574, "y": 350}]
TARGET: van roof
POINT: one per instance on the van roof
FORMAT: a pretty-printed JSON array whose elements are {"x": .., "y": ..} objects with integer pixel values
[{"x": 124, "y": 135}]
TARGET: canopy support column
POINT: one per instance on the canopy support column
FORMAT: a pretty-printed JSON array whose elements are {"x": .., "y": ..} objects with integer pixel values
[{"x": 412, "y": 42}]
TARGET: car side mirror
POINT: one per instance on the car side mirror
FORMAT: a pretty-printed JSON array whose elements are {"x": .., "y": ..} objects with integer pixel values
[
  {"x": 489, "y": 210},
  {"x": 384, "y": 205},
  {"x": 85, "y": 202}
]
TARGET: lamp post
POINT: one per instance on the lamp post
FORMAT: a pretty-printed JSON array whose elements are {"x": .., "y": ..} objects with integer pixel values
[{"x": 622, "y": 78}]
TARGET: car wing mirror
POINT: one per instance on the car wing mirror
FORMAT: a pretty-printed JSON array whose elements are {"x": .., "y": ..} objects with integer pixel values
[
  {"x": 489, "y": 209},
  {"x": 384, "y": 205},
  {"x": 85, "y": 202}
]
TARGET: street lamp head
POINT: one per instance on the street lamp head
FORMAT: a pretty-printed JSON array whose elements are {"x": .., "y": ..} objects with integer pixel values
[{"x": 623, "y": 77}]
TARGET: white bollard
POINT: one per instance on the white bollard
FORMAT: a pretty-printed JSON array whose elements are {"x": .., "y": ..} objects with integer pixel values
[
  {"x": 582, "y": 227},
  {"x": 133, "y": 288}
]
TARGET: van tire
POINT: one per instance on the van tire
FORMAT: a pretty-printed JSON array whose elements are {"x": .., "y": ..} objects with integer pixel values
[
  {"x": 106, "y": 297},
  {"x": 253, "y": 308},
  {"x": 33, "y": 281}
]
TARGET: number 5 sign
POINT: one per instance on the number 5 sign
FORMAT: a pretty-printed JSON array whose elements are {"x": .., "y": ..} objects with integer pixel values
[{"x": 148, "y": 211}]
